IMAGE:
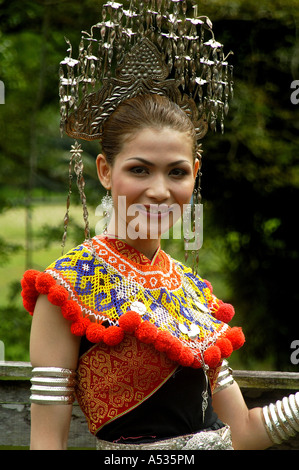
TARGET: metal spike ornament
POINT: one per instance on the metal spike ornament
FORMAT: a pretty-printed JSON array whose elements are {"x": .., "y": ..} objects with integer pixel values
[{"x": 151, "y": 47}]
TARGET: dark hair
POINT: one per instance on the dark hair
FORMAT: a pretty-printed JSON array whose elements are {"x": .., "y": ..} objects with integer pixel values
[{"x": 143, "y": 111}]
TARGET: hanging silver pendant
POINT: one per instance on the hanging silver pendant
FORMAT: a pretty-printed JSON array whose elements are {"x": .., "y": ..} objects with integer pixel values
[{"x": 205, "y": 393}]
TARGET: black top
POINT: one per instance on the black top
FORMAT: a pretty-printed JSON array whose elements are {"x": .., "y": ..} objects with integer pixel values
[{"x": 173, "y": 410}]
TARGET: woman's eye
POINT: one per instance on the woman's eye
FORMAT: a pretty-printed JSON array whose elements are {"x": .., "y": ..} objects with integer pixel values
[
  {"x": 138, "y": 170},
  {"x": 178, "y": 172},
  {"x": 142, "y": 170}
]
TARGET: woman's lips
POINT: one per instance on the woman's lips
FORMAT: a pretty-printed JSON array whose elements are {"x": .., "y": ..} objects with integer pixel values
[{"x": 154, "y": 210}]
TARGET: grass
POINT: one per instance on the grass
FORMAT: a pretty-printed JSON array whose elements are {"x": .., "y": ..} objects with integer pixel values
[{"x": 13, "y": 230}]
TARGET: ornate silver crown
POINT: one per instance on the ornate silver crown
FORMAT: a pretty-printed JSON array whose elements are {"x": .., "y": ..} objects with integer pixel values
[{"x": 151, "y": 47}]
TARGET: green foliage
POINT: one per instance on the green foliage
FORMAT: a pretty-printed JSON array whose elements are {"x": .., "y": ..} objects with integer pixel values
[
  {"x": 250, "y": 174},
  {"x": 251, "y": 177}
]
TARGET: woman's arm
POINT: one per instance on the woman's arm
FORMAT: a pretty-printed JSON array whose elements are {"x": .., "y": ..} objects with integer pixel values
[
  {"x": 51, "y": 345},
  {"x": 247, "y": 426}
]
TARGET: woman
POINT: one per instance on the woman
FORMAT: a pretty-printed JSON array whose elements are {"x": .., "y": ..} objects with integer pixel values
[
  {"x": 145, "y": 336},
  {"x": 154, "y": 165}
]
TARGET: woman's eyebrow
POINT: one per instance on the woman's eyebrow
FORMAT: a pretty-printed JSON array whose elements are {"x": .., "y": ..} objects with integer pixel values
[{"x": 146, "y": 162}]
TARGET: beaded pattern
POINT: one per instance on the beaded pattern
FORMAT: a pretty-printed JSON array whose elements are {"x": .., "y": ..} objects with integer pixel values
[{"x": 107, "y": 283}]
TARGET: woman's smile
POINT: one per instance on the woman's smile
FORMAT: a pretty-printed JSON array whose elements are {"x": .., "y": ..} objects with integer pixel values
[{"x": 154, "y": 210}]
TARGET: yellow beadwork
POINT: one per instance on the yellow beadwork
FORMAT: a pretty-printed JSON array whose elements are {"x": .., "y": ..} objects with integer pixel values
[{"x": 107, "y": 281}]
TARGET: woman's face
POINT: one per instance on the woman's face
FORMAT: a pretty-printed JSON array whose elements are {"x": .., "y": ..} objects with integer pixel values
[{"x": 151, "y": 180}]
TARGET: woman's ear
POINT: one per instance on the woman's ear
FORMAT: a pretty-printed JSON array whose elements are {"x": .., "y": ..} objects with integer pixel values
[
  {"x": 104, "y": 171},
  {"x": 196, "y": 168}
]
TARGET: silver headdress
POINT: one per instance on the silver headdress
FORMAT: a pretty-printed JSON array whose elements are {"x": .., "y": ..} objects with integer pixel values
[{"x": 151, "y": 47}]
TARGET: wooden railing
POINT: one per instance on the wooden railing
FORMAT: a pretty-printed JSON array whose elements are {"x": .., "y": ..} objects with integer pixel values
[{"x": 258, "y": 388}]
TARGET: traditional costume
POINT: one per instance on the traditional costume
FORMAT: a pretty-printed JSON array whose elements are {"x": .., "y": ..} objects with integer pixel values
[{"x": 155, "y": 338}]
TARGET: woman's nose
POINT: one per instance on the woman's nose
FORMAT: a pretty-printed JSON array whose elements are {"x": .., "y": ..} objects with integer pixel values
[{"x": 158, "y": 190}]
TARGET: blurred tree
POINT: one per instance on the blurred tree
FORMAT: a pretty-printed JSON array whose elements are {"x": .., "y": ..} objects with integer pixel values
[{"x": 251, "y": 178}]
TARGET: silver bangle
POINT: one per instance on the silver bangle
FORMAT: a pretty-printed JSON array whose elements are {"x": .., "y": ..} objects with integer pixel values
[
  {"x": 225, "y": 377},
  {"x": 282, "y": 418},
  {"x": 52, "y": 386}
]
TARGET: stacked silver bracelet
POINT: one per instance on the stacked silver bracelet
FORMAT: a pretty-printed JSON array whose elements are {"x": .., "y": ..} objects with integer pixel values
[
  {"x": 225, "y": 377},
  {"x": 282, "y": 419},
  {"x": 52, "y": 386}
]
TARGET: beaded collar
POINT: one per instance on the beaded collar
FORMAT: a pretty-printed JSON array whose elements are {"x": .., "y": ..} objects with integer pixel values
[
  {"x": 108, "y": 289},
  {"x": 132, "y": 254}
]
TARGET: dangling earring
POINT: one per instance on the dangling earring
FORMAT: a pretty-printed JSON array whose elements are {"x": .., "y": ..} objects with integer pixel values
[
  {"x": 68, "y": 203},
  {"x": 107, "y": 205},
  {"x": 193, "y": 217},
  {"x": 78, "y": 168},
  {"x": 76, "y": 161}
]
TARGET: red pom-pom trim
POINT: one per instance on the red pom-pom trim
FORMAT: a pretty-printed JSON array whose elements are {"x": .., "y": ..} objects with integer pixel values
[
  {"x": 71, "y": 311},
  {"x": 225, "y": 347},
  {"x": 196, "y": 363},
  {"x": 186, "y": 358},
  {"x": 29, "y": 278},
  {"x": 113, "y": 335},
  {"x": 212, "y": 356},
  {"x": 163, "y": 342},
  {"x": 95, "y": 333},
  {"x": 225, "y": 312},
  {"x": 129, "y": 321},
  {"x": 79, "y": 327},
  {"x": 236, "y": 337},
  {"x": 29, "y": 292},
  {"x": 44, "y": 282},
  {"x": 175, "y": 350},
  {"x": 146, "y": 332},
  {"x": 58, "y": 295},
  {"x": 29, "y": 305}
]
